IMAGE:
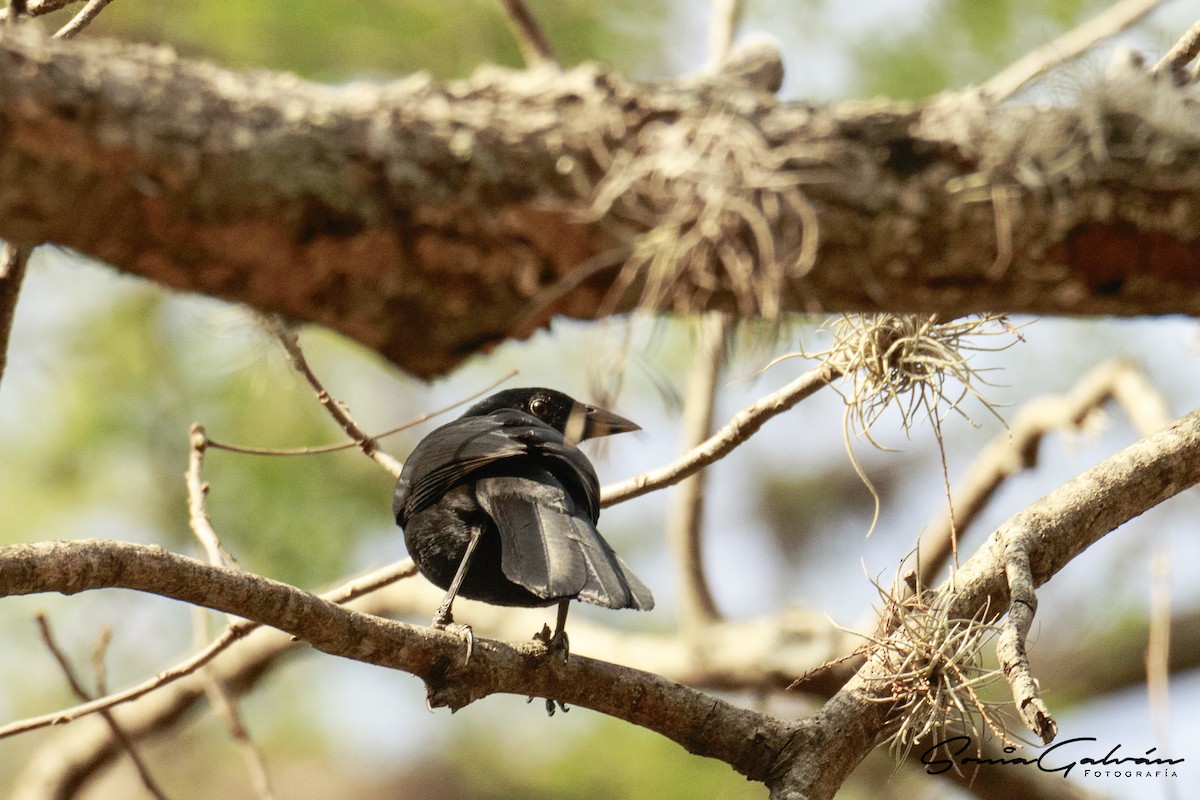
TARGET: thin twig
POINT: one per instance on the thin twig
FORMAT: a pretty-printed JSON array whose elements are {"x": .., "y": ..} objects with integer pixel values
[
  {"x": 13, "y": 261},
  {"x": 77, "y": 687},
  {"x": 36, "y": 8},
  {"x": 1158, "y": 646},
  {"x": 1040, "y": 540},
  {"x": 291, "y": 344},
  {"x": 721, "y": 29},
  {"x": 738, "y": 430},
  {"x": 1010, "y": 645},
  {"x": 222, "y": 704},
  {"x": 99, "y": 650},
  {"x": 226, "y": 707},
  {"x": 82, "y": 19},
  {"x": 1179, "y": 56},
  {"x": 697, "y": 609},
  {"x": 333, "y": 448},
  {"x": 343, "y": 594},
  {"x": 535, "y": 47},
  {"x": 1066, "y": 47},
  {"x": 197, "y": 491}
]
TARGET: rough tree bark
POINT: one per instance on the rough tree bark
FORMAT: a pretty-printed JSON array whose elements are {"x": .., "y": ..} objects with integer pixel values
[{"x": 429, "y": 220}]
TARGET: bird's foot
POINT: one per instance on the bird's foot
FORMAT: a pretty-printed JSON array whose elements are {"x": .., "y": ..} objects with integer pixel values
[
  {"x": 555, "y": 643},
  {"x": 444, "y": 622},
  {"x": 553, "y": 706}
]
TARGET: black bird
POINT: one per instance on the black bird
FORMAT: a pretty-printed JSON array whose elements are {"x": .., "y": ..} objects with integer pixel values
[{"x": 500, "y": 506}]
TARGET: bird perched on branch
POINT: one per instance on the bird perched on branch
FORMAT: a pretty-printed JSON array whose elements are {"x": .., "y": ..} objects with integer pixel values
[{"x": 501, "y": 506}]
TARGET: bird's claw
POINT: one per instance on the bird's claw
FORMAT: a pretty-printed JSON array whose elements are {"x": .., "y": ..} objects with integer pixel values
[
  {"x": 556, "y": 642},
  {"x": 446, "y": 623},
  {"x": 552, "y": 706}
]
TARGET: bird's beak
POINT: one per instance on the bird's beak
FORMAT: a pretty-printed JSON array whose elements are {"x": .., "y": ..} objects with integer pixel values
[{"x": 599, "y": 422}]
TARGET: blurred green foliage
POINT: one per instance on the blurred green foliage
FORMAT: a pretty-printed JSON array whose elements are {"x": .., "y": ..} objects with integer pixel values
[
  {"x": 609, "y": 759},
  {"x": 955, "y": 43},
  {"x": 344, "y": 40},
  {"x": 128, "y": 379}
]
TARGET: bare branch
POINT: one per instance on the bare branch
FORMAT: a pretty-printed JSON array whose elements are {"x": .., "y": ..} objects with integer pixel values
[
  {"x": 697, "y": 609},
  {"x": 750, "y": 742},
  {"x": 82, "y": 693},
  {"x": 197, "y": 491},
  {"x": 535, "y": 47},
  {"x": 756, "y": 655},
  {"x": 1016, "y": 449},
  {"x": 1180, "y": 55},
  {"x": 1048, "y": 534},
  {"x": 345, "y": 593},
  {"x": 738, "y": 430},
  {"x": 225, "y": 705},
  {"x": 291, "y": 344},
  {"x": 82, "y": 19},
  {"x": 13, "y": 260},
  {"x": 1010, "y": 648},
  {"x": 1067, "y": 47},
  {"x": 721, "y": 29},
  {"x": 333, "y": 448}
]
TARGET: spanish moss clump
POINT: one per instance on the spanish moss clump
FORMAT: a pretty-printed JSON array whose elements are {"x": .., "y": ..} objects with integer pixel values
[
  {"x": 935, "y": 669},
  {"x": 711, "y": 209},
  {"x": 916, "y": 364}
]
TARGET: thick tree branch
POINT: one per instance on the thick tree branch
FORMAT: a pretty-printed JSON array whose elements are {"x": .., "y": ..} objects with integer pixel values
[
  {"x": 753, "y": 655},
  {"x": 425, "y": 219},
  {"x": 748, "y": 741},
  {"x": 812, "y": 756},
  {"x": 1018, "y": 448},
  {"x": 1048, "y": 534}
]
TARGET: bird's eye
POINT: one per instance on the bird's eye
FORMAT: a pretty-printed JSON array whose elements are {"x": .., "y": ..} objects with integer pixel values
[{"x": 540, "y": 406}]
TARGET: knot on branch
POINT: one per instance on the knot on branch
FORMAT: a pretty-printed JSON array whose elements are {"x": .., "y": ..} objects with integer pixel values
[{"x": 755, "y": 63}]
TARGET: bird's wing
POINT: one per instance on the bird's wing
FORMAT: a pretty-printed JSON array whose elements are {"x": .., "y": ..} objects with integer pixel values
[
  {"x": 452, "y": 453},
  {"x": 551, "y": 547}
]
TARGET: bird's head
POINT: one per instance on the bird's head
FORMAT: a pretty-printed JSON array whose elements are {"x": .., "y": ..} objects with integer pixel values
[{"x": 575, "y": 420}]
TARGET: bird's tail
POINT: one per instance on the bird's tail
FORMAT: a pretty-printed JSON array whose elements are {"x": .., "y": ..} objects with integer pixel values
[{"x": 552, "y": 549}]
